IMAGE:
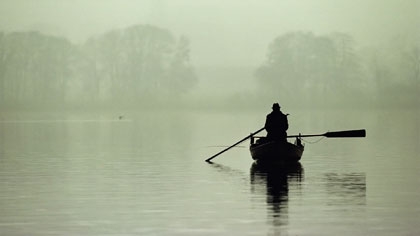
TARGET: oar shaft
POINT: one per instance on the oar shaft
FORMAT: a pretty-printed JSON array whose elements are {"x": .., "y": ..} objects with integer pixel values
[
  {"x": 240, "y": 141},
  {"x": 336, "y": 134},
  {"x": 305, "y": 135}
]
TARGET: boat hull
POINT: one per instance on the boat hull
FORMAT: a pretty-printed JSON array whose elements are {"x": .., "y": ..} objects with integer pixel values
[{"x": 276, "y": 152}]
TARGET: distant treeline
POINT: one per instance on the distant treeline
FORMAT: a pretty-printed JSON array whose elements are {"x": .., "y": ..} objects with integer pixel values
[
  {"x": 134, "y": 65},
  {"x": 145, "y": 66},
  {"x": 331, "y": 71}
]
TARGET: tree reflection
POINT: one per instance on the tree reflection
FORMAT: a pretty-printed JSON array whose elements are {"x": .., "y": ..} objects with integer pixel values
[
  {"x": 275, "y": 181},
  {"x": 346, "y": 188}
]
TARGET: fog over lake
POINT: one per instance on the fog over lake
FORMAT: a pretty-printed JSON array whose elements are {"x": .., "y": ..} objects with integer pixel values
[{"x": 109, "y": 108}]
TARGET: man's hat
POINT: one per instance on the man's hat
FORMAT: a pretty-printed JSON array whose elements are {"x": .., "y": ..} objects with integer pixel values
[{"x": 276, "y": 106}]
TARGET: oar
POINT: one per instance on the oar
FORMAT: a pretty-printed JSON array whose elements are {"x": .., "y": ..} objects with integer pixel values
[
  {"x": 240, "y": 141},
  {"x": 337, "y": 134}
]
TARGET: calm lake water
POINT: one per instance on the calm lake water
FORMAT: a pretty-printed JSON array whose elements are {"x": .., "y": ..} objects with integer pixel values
[{"x": 144, "y": 174}]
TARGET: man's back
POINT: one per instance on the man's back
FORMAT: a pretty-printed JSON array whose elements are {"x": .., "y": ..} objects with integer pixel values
[{"x": 276, "y": 125}]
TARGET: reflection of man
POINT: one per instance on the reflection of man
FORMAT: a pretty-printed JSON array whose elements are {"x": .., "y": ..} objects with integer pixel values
[{"x": 276, "y": 124}]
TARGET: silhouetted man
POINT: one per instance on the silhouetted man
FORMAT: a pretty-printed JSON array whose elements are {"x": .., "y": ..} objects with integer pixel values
[{"x": 276, "y": 124}]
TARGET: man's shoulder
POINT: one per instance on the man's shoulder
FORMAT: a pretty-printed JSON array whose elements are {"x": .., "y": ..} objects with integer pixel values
[
  {"x": 278, "y": 113},
  {"x": 271, "y": 114}
]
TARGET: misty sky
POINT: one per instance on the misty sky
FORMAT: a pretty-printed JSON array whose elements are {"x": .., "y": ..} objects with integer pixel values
[{"x": 222, "y": 32}]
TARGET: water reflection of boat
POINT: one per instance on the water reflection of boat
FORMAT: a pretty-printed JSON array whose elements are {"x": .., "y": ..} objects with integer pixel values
[{"x": 276, "y": 182}]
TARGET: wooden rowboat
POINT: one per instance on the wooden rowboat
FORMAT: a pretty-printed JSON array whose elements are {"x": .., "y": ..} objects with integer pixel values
[{"x": 280, "y": 152}]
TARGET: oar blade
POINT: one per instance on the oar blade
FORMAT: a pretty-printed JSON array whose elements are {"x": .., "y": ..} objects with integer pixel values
[{"x": 346, "y": 134}]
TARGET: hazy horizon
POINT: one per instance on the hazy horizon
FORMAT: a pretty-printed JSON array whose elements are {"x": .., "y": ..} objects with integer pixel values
[{"x": 229, "y": 33}]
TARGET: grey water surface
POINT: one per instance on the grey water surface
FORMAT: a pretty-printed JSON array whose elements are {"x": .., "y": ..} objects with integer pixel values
[{"x": 144, "y": 174}]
